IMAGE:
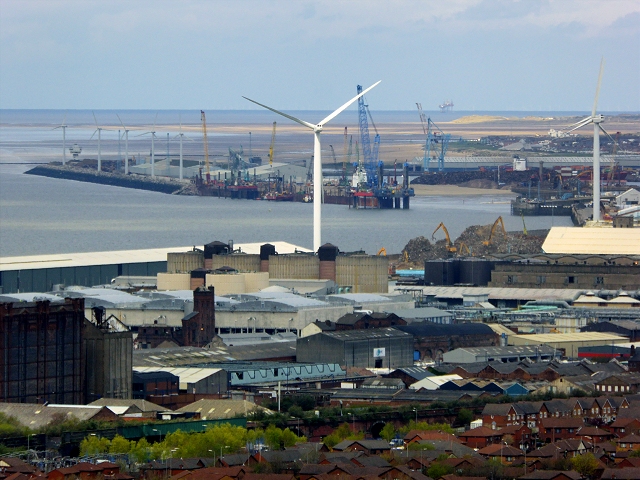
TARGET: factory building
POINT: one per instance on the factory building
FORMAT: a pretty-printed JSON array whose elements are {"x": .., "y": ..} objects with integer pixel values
[
  {"x": 194, "y": 380},
  {"x": 433, "y": 340},
  {"x": 41, "y": 355},
  {"x": 52, "y": 353},
  {"x": 108, "y": 355},
  {"x": 537, "y": 353},
  {"x": 371, "y": 348},
  {"x": 625, "y": 328},
  {"x": 352, "y": 272},
  {"x": 568, "y": 343}
]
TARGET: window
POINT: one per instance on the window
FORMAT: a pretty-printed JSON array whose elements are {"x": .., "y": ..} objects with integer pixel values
[
  {"x": 512, "y": 279},
  {"x": 540, "y": 279},
  {"x": 571, "y": 279},
  {"x": 599, "y": 281}
]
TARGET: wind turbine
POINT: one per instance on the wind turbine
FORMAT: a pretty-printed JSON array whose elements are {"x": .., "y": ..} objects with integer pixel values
[
  {"x": 126, "y": 146},
  {"x": 181, "y": 135},
  {"x": 317, "y": 159},
  {"x": 153, "y": 151},
  {"x": 99, "y": 130},
  {"x": 596, "y": 119},
  {"x": 63, "y": 126}
]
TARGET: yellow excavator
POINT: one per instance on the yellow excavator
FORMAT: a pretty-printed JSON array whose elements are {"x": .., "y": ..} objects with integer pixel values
[
  {"x": 499, "y": 221},
  {"x": 383, "y": 252},
  {"x": 462, "y": 247},
  {"x": 450, "y": 247}
]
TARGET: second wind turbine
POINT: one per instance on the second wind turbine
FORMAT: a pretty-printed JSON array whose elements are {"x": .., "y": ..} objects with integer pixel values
[{"x": 317, "y": 159}]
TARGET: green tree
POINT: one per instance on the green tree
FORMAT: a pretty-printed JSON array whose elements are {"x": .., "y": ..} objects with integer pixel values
[
  {"x": 465, "y": 416},
  {"x": 438, "y": 469},
  {"x": 388, "y": 432},
  {"x": 140, "y": 450},
  {"x": 93, "y": 445},
  {"x": 415, "y": 446},
  {"x": 119, "y": 444},
  {"x": 585, "y": 464}
]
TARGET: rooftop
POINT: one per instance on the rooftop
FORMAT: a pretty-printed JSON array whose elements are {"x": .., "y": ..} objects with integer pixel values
[{"x": 605, "y": 241}]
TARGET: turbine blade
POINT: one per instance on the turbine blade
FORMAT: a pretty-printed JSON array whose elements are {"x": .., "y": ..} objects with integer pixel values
[
  {"x": 145, "y": 133},
  {"x": 577, "y": 123},
  {"x": 94, "y": 132},
  {"x": 297, "y": 120},
  {"x": 154, "y": 122},
  {"x": 121, "y": 122},
  {"x": 607, "y": 134},
  {"x": 580, "y": 124},
  {"x": 94, "y": 118},
  {"x": 339, "y": 110},
  {"x": 595, "y": 101}
]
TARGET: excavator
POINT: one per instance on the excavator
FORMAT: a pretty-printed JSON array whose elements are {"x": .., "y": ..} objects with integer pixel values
[
  {"x": 383, "y": 252},
  {"x": 450, "y": 247},
  {"x": 499, "y": 221},
  {"x": 462, "y": 247}
]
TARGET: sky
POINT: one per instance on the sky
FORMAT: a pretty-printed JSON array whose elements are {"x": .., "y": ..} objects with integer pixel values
[{"x": 486, "y": 55}]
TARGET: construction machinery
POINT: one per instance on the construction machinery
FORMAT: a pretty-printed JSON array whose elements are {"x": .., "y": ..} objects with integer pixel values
[
  {"x": 436, "y": 146},
  {"x": 499, "y": 222},
  {"x": 462, "y": 247},
  {"x": 273, "y": 141},
  {"x": 524, "y": 226},
  {"x": 333, "y": 155},
  {"x": 369, "y": 162},
  {"x": 450, "y": 247},
  {"x": 423, "y": 118},
  {"x": 206, "y": 146},
  {"x": 382, "y": 252}
]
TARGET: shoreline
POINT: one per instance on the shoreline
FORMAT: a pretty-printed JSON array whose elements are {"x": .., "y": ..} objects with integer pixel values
[{"x": 456, "y": 191}]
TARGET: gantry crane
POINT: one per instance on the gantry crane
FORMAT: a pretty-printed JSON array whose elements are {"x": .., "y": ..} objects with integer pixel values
[
  {"x": 499, "y": 221},
  {"x": 450, "y": 247},
  {"x": 273, "y": 141},
  {"x": 435, "y": 136},
  {"x": 206, "y": 146}
]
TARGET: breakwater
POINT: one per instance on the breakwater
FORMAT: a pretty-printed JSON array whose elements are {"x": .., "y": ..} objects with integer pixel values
[{"x": 105, "y": 178}]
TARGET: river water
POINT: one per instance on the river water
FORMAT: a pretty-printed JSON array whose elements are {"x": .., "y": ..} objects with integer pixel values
[{"x": 41, "y": 215}]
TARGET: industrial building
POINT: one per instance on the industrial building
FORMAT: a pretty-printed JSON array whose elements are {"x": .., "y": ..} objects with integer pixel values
[
  {"x": 431, "y": 341},
  {"x": 370, "y": 348},
  {"x": 625, "y": 328},
  {"x": 353, "y": 272},
  {"x": 593, "y": 241},
  {"x": 568, "y": 343},
  {"x": 513, "y": 354},
  {"x": 53, "y": 353},
  {"x": 205, "y": 380}
]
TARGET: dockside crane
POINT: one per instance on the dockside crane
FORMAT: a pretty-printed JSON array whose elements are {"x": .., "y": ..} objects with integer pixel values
[
  {"x": 273, "y": 141},
  {"x": 206, "y": 146},
  {"x": 423, "y": 118},
  {"x": 450, "y": 247},
  {"x": 437, "y": 142},
  {"x": 365, "y": 141},
  {"x": 333, "y": 154}
]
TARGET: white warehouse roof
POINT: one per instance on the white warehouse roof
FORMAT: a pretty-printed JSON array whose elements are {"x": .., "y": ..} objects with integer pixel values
[{"x": 593, "y": 241}]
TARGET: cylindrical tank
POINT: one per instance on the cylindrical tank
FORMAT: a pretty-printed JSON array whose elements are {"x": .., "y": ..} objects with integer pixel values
[{"x": 215, "y": 248}]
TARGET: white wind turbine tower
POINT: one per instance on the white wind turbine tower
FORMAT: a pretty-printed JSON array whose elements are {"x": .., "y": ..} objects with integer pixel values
[
  {"x": 153, "y": 151},
  {"x": 99, "y": 130},
  {"x": 596, "y": 119},
  {"x": 63, "y": 126},
  {"x": 126, "y": 146},
  {"x": 317, "y": 159},
  {"x": 181, "y": 135}
]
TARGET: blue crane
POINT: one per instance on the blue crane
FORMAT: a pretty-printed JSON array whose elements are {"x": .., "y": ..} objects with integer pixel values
[
  {"x": 436, "y": 146},
  {"x": 370, "y": 159}
]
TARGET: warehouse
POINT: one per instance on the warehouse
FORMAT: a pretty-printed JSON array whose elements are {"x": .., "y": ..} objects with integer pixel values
[
  {"x": 511, "y": 354},
  {"x": 371, "y": 348},
  {"x": 569, "y": 343},
  {"x": 433, "y": 340},
  {"x": 194, "y": 380}
]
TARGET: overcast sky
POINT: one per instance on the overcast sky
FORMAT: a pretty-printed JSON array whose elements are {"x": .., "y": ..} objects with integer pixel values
[{"x": 310, "y": 55}]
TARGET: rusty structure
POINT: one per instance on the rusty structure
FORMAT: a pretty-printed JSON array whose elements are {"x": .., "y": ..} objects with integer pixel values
[{"x": 41, "y": 352}]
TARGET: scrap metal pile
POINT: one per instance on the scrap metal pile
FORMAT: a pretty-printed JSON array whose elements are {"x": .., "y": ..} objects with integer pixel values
[{"x": 475, "y": 241}]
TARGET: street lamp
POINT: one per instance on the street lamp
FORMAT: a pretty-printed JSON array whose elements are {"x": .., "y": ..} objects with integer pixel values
[
  {"x": 221, "y": 447},
  {"x": 353, "y": 417},
  {"x": 416, "y": 411}
]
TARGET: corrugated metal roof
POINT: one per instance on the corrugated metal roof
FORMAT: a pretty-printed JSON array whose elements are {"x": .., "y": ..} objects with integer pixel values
[
  {"x": 81, "y": 259},
  {"x": 362, "y": 297},
  {"x": 289, "y": 299},
  {"x": 505, "y": 293},
  {"x": 186, "y": 375},
  {"x": 594, "y": 240},
  {"x": 554, "y": 338}
]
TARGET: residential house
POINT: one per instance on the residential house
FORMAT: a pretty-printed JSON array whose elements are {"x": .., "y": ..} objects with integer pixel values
[
  {"x": 505, "y": 453},
  {"x": 480, "y": 437},
  {"x": 553, "y": 429}
]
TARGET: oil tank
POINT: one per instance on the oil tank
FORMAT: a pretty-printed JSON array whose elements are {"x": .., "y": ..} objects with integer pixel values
[
  {"x": 474, "y": 271},
  {"x": 440, "y": 272},
  {"x": 215, "y": 248}
]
